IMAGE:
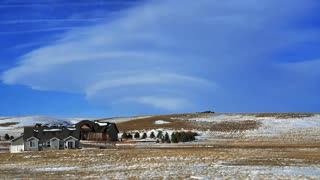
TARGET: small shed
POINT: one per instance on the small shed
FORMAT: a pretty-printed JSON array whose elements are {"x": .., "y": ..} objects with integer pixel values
[{"x": 17, "y": 145}]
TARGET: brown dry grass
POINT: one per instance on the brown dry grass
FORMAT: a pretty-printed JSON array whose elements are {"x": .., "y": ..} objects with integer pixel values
[
  {"x": 149, "y": 123},
  {"x": 91, "y": 163},
  {"x": 181, "y": 121}
]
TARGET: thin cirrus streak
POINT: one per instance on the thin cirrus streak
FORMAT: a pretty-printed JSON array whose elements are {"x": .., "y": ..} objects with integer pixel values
[
  {"x": 110, "y": 3},
  {"x": 23, "y": 21},
  {"x": 38, "y": 30}
]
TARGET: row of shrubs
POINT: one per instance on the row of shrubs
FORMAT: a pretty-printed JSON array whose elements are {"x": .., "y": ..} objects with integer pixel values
[
  {"x": 6, "y": 137},
  {"x": 176, "y": 137}
]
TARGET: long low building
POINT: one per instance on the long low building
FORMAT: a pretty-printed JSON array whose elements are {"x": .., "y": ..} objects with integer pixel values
[{"x": 44, "y": 137}]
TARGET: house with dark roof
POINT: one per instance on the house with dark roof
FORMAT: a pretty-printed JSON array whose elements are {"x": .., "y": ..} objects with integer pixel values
[
  {"x": 96, "y": 131},
  {"x": 57, "y": 137}
]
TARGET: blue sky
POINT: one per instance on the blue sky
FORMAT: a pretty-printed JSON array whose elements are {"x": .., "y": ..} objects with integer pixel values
[{"x": 131, "y": 57}]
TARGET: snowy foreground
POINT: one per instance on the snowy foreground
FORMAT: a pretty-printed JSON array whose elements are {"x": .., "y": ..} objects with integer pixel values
[{"x": 195, "y": 163}]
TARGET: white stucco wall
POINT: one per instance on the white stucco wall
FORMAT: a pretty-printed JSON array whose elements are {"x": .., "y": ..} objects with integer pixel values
[{"x": 17, "y": 148}]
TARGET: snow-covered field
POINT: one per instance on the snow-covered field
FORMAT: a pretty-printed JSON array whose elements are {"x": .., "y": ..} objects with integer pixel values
[{"x": 164, "y": 163}]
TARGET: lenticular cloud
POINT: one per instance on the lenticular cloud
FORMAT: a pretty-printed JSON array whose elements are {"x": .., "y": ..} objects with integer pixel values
[{"x": 186, "y": 54}]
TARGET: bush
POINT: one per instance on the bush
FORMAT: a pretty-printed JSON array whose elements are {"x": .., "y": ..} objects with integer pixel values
[{"x": 183, "y": 137}]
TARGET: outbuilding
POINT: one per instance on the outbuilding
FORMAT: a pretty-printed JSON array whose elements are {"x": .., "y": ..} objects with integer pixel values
[{"x": 17, "y": 145}]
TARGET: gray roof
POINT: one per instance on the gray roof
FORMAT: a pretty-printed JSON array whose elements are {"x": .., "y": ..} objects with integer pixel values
[
  {"x": 43, "y": 132},
  {"x": 47, "y": 133}
]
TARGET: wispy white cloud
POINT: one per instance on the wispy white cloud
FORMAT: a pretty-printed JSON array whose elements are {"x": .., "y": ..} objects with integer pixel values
[
  {"x": 144, "y": 78},
  {"x": 158, "y": 102},
  {"x": 38, "y": 30},
  {"x": 170, "y": 54}
]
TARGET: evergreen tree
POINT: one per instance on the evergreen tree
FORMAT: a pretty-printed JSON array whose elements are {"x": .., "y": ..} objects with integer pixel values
[
  {"x": 6, "y": 137},
  {"x": 174, "y": 138},
  {"x": 184, "y": 137},
  {"x": 159, "y": 135},
  {"x": 130, "y": 136},
  {"x": 166, "y": 138},
  {"x": 178, "y": 134},
  {"x": 11, "y": 137},
  {"x": 152, "y": 135},
  {"x": 124, "y": 135},
  {"x": 137, "y": 135},
  {"x": 144, "y": 136}
]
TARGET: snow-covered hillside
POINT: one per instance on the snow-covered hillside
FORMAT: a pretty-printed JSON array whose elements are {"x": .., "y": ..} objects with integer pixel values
[
  {"x": 31, "y": 120},
  {"x": 270, "y": 126},
  {"x": 207, "y": 125}
]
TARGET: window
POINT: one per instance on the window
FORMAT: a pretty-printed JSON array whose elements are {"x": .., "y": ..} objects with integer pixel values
[
  {"x": 48, "y": 144},
  {"x": 32, "y": 144}
]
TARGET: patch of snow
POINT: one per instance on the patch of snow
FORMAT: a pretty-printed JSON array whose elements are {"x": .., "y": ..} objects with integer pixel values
[
  {"x": 161, "y": 122},
  {"x": 295, "y": 171},
  {"x": 200, "y": 177},
  {"x": 273, "y": 126},
  {"x": 287, "y": 171},
  {"x": 55, "y": 169},
  {"x": 52, "y": 130},
  {"x": 30, "y": 156},
  {"x": 101, "y": 124}
]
